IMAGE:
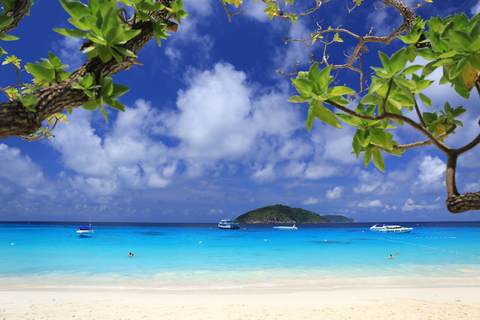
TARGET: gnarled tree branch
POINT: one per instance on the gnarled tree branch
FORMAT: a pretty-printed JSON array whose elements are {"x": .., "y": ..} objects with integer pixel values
[{"x": 17, "y": 120}]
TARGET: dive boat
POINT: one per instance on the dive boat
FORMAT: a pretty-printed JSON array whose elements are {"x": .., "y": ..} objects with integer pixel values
[
  {"x": 390, "y": 228},
  {"x": 228, "y": 224},
  {"x": 286, "y": 228},
  {"x": 85, "y": 230}
]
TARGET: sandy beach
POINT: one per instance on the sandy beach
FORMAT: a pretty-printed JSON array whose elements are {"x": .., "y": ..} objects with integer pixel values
[{"x": 395, "y": 303}]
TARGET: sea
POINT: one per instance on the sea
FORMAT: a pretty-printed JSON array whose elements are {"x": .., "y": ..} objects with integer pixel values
[{"x": 202, "y": 257}]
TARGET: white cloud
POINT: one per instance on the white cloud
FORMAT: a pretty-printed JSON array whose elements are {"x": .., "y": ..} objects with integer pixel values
[
  {"x": 81, "y": 149},
  {"x": 369, "y": 204},
  {"x": 70, "y": 53},
  {"x": 213, "y": 113},
  {"x": 335, "y": 193},
  {"x": 369, "y": 182},
  {"x": 17, "y": 170},
  {"x": 390, "y": 208},
  {"x": 264, "y": 174},
  {"x": 411, "y": 206},
  {"x": 317, "y": 171},
  {"x": 431, "y": 176},
  {"x": 310, "y": 201},
  {"x": 475, "y": 9}
]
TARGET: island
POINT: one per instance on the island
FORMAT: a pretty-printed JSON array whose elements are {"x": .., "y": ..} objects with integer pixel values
[{"x": 284, "y": 214}]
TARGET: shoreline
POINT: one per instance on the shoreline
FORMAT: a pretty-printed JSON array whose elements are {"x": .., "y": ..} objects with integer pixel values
[{"x": 361, "y": 303}]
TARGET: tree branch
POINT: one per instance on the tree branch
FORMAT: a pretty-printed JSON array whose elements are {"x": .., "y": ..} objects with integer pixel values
[
  {"x": 18, "y": 12},
  {"x": 17, "y": 120}
]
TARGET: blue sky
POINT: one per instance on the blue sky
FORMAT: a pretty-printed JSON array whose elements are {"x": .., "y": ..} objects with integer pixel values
[{"x": 208, "y": 132}]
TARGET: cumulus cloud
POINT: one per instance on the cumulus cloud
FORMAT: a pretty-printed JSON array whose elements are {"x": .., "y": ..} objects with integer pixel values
[
  {"x": 69, "y": 53},
  {"x": 431, "y": 175},
  {"x": 335, "y": 193},
  {"x": 369, "y": 204},
  {"x": 369, "y": 182},
  {"x": 310, "y": 201},
  {"x": 475, "y": 9},
  {"x": 411, "y": 206},
  {"x": 17, "y": 170}
]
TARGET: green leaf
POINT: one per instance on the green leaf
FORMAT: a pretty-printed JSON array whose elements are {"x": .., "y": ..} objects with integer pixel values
[
  {"x": 460, "y": 40},
  {"x": 370, "y": 99},
  {"x": 90, "y": 105},
  {"x": 299, "y": 99},
  {"x": 364, "y": 137},
  {"x": 314, "y": 72},
  {"x": 339, "y": 100},
  {"x": 104, "y": 112},
  {"x": 411, "y": 69},
  {"x": 6, "y": 37},
  {"x": 304, "y": 86},
  {"x": 125, "y": 52},
  {"x": 378, "y": 159},
  {"x": 104, "y": 53},
  {"x": 367, "y": 156},
  {"x": 357, "y": 148},
  {"x": 73, "y": 33},
  {"x": 118, "y": 90},
  {"x": 398, "y": 61},
  {"x": 382, "y": 73},
  {"x": 328, "y": 116},
  {"x": 5, "y": 21},
  {"x": 462, "y": 64},
  {"x": 339, "y": 91},
  {"x": 386, "y": 62},
  {"x": 115, "y": 35},
  {"x": 475, "y": 60},
  {"x": 40, "y": 72},
  {"x": 75, "y": 8},
  {"x": 402, "y": 83},
  {"x": 317, "y": 109},
  {"x": 426, "y": 100},
  {"x": 324, "y": 79},
  {"x": 115, "y": 104},
  {"x": 110, "y": 21}
]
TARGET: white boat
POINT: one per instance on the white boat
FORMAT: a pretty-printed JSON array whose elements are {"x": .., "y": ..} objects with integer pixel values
[
  {"x": 228, "y": 224},
  {"x": 85, "y": 230},
  {"x": 390, "y": 228},
  {"x": 286, "y": 228}
]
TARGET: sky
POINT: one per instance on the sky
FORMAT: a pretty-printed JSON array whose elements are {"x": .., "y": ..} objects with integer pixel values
[{"x": 208, "y": 132}]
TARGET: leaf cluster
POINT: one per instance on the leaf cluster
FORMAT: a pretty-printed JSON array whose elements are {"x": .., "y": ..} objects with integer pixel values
[
  {"x": 5, "y": 21},
  {"x": 99, "y": 22},
  {"x": 452, "y": 43},
  {"x": 313, "y": 88},
  {"x": 101, "y": 90},
  {"x": 47, "y": 72}
]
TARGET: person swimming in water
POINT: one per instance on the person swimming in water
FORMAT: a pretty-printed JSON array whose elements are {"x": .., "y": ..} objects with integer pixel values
[{"x": 131, "y": 254}]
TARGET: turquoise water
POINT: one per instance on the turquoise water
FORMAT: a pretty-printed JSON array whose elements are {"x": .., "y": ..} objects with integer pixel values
[{"x": 203, "y": 257}]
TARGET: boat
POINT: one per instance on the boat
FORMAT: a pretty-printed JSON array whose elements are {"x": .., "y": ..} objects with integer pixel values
[
  {"x": 85, "y": 230},
  {"x": 286, "y": 227},
  {"x": 228, "y": 224},
  {"x": 390, "y": 228}
]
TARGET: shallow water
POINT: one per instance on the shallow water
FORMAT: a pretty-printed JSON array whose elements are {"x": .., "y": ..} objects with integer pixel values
[{"x": 203, "y": 257}]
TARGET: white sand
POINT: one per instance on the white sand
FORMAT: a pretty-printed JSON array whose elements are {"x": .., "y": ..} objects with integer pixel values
[{"x": 397, "y": 303}]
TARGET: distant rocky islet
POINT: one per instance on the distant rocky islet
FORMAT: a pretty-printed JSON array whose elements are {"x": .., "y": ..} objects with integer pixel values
[{"x": 285, "y": 214}]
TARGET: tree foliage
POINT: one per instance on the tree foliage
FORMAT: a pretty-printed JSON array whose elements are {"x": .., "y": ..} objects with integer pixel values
[{"x": 376, "y": 104}]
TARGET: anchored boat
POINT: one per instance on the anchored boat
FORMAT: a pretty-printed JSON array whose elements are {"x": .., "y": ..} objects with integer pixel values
[
  {"x": 228, "y": 224},
  {"x": 85, "y": 231},
  {"x": 390, "y": 228},
  {"x": 286, "y": 227}
]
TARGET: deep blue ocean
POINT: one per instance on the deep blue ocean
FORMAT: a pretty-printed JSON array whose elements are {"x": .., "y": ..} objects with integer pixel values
[{"x": 170, "y": 257}]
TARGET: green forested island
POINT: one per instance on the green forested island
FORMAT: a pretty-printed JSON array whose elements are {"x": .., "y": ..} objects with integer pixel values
[{"x": 285, "y": 214}]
